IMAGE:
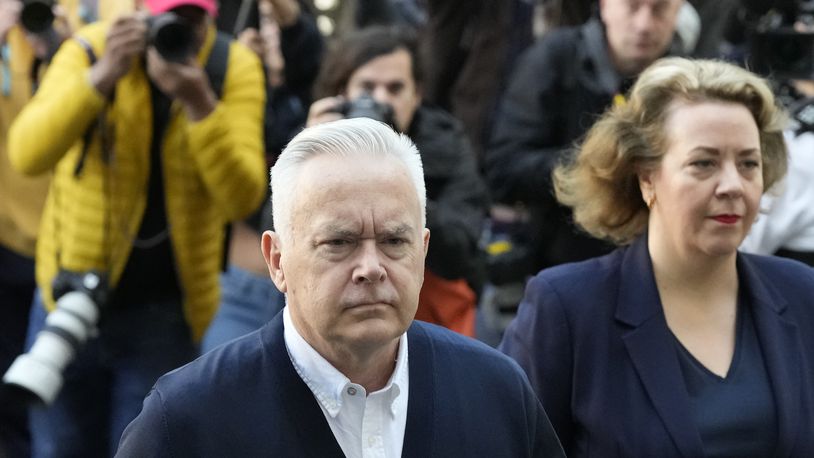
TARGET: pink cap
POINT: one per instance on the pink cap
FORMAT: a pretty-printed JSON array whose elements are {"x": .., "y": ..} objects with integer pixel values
[{"x": 162, "y": 6}]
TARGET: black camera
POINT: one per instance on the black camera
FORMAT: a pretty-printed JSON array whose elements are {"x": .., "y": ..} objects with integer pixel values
[
  {"x": 37, "y": 16},
  {"x": 783, "y": 53},
  {"x": 365, "y": 106},
  {"x": 779, "y": 48},
  {"x": 37, "y": 374},
  {"x": 172, "y": 36}
]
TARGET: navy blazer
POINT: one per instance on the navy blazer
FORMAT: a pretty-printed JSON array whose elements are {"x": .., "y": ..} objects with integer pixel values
[
  {"x": 594, "y": 342},
  {"x": 245, "y": 399}
]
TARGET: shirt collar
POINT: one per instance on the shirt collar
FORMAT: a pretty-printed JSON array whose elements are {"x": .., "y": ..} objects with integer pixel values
[{"x": 325, "y": 381}]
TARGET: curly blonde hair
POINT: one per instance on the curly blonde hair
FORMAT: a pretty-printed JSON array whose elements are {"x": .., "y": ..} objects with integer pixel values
[{"x": 601, "y": 185}]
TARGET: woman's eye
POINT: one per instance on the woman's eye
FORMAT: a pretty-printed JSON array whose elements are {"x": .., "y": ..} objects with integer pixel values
[
  {"x": 751, "y": 164},
  {"x": 703, "y": 164}
]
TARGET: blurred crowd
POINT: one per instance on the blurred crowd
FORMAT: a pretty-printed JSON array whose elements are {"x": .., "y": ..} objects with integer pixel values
[{"x": 136, "y": 138}]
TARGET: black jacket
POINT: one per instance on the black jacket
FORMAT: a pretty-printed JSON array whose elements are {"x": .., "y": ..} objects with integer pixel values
[
  {"x": 456, "y": 195},
  {"x": 561, "y": 85}
]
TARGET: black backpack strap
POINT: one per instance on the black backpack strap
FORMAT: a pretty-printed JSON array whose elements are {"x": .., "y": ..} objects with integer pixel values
[
  {"x": 217, "y": 63},
  {"x": 88, "y": 136},
  {"x": 215, "y": 69}
]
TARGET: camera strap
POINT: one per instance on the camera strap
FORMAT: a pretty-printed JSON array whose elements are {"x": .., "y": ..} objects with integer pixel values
[
  {"x": 215, "y": 68},
  {"x": 217, "y": 62},
  {"x": 88, "y": 135}
]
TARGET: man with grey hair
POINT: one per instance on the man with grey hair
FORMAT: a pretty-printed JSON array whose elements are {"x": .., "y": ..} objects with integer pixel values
[{"x": 344, "y": 370}]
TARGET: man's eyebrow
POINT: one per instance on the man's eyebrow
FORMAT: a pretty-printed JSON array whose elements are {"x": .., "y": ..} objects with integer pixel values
[
  {"x": 337, "y": 230},
  {"x": 400, "y": 229}
]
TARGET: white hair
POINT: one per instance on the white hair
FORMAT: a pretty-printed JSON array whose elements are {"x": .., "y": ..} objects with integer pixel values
[{"x": 346, "y": 139}]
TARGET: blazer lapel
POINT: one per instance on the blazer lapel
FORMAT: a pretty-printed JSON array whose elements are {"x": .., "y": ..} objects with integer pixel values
[
  {"x": 652, "y": 350},
  {"x": 314, "y": 435},
  {"x": 781, "y": 351},
  {"x": 419, "y": 434}
]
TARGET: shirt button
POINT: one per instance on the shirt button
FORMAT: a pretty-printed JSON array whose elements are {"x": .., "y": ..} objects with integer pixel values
[
  {"x": 371, "y": 441},
  {"x": 352, "y": 391}
]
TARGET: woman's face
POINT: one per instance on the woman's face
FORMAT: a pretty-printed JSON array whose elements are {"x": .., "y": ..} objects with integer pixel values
[{"x": 708, "y": 185}]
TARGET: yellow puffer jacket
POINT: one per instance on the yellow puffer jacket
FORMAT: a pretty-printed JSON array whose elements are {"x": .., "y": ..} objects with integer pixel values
[
  {"x": 21, "y": 197},
  {"x": 214, "y": 170}
]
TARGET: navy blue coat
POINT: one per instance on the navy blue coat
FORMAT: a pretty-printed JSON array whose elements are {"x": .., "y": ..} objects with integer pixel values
[
  {"x": 594, "y": 342},
  {"x": 245, "y": 399}
]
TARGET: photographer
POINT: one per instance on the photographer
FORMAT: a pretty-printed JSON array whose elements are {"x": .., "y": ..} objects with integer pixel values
[
  {"x": 375, "y": 72},
  {"x": 151, "y": 159},
  {"x": 284, "y": 34},
  {"x": 782, "y": 45},
  {"x": 23, "y": 60}
]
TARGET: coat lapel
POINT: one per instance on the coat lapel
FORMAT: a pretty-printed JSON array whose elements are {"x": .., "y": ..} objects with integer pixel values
[
  {"x": 781, "y": 348},
  {"x": 419, "y": 434},
  {"x": 652, "y": 349},
  {"x": 314, "y": 436}
]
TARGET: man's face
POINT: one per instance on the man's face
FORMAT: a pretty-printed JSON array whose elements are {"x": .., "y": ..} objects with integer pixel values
[
  {"x": 353, "y": 264},
  {"x": 638, "y": 31},
  {"x": 389, "y": 79}
]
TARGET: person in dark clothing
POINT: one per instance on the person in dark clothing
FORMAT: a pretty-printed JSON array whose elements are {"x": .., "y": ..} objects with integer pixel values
[
  {"x": 676, "y": 344},
  {"x": 559, "y": 87},
  {"x": 469, "y": 48},
  {"x": 382, "y": 62},
  {"x": 284, "y": 35},
  {"x": 142, "y": 198},
  {"x": 344, "y": 370}
]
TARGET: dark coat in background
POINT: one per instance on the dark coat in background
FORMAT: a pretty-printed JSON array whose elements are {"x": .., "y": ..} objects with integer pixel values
[{"x": 457, "y": 200}]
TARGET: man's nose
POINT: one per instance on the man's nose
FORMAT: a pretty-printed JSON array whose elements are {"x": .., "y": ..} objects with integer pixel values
[
  {"x": 369, "y": 268},
  {"x": 644, "y": 18}
]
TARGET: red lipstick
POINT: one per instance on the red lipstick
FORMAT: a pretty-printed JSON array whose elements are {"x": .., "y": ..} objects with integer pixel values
[{"x": 727, "y": 219}]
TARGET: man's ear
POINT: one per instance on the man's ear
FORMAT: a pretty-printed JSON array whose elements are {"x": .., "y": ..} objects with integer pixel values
[
  {"x": 426, "y": 240},
  {"x": 271, "y": 247}
]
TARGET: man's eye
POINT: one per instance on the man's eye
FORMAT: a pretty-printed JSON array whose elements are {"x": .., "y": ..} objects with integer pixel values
[
  {"x": 337, "y": 242},
  {"x": 396, "y": 241}
]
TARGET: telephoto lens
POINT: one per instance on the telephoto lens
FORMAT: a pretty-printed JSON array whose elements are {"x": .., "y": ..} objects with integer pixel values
[
  {"x": 37, "y": 16},
  {"x": 37, "y": 374},
  {"x": 172, "y": 36}
]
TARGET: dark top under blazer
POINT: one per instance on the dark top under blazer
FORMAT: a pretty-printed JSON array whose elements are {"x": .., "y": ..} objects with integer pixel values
[
  {"x": 594, "y": 342},
  {"x": 246, "y": 399}
]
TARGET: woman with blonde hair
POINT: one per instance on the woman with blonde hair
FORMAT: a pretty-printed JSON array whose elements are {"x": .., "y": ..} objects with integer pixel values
[{"x": 675, "y": 344}]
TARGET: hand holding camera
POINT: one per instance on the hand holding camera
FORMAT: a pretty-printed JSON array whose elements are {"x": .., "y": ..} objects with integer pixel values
[
  {"x": 126, "y": 41},
  {"x": 186, "y": 82},
  {"x": 325, "y": 110},
  {"x": 168, "y": 43},
  {"x": 9, "y": 15},
  {"x": 363, "y": 106}
]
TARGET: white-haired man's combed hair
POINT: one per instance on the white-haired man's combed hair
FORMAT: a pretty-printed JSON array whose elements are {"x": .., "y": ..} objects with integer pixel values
[{"x": 350, "y": 139}]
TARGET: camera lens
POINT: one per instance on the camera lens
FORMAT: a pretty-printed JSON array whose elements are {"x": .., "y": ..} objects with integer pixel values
[
  {"x": 37, "y": 16},
  {"x": 39, "y": 371},
  {"x": 171, "y": 36}
]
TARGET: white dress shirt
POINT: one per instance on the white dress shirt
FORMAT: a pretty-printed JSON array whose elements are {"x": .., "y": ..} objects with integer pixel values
[{"x": 364, "y": 425}]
